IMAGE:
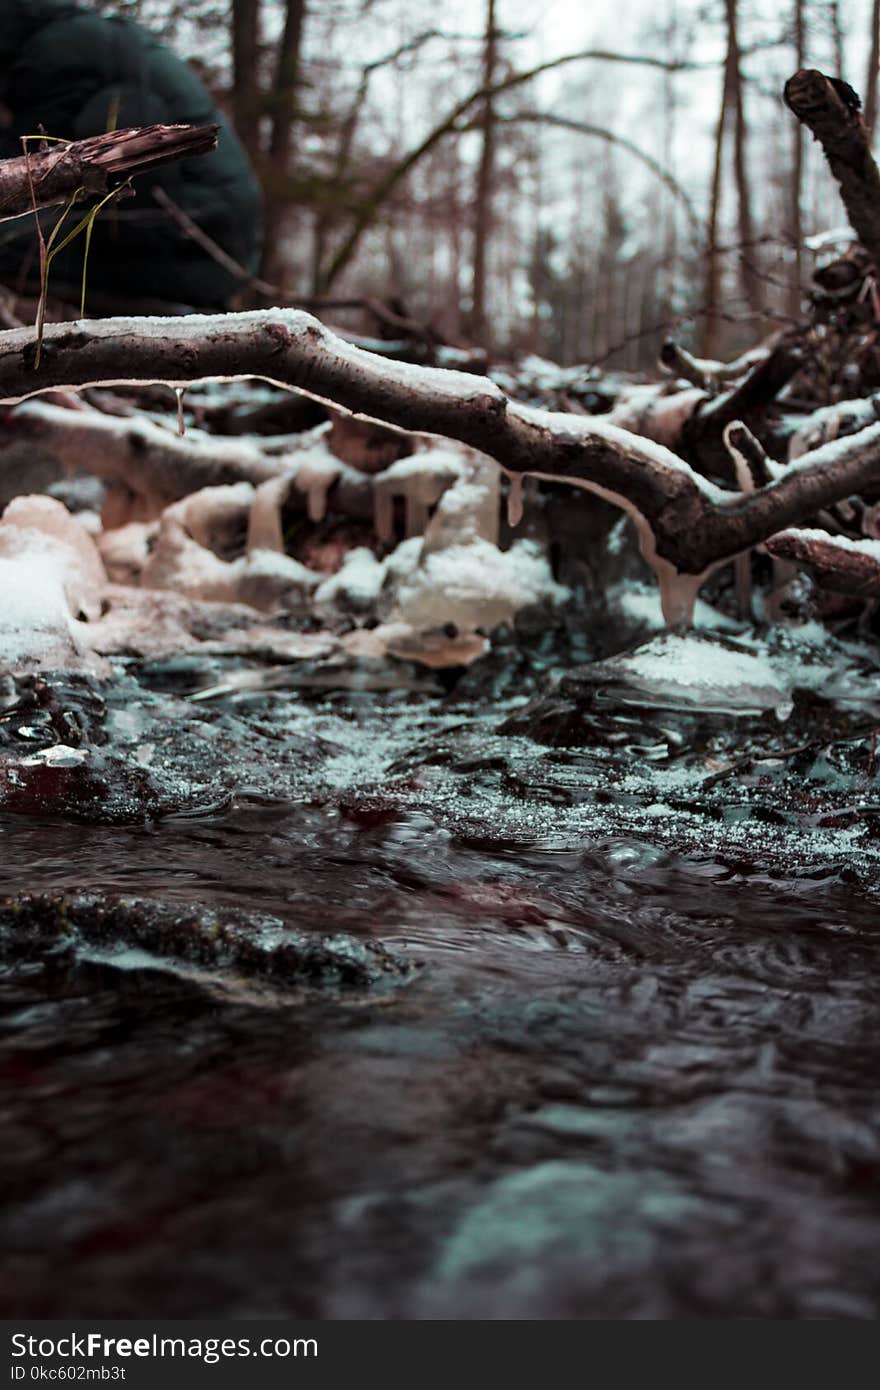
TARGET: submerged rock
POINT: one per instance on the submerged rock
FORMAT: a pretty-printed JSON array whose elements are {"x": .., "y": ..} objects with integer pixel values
[{"x": 222, "y": 949}]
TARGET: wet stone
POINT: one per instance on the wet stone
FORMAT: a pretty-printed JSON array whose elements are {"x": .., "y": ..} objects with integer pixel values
[{"x": 214, "y": 947}]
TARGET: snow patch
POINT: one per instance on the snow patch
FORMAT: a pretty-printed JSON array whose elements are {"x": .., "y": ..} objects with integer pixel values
[{"x": 475, "y": 585}]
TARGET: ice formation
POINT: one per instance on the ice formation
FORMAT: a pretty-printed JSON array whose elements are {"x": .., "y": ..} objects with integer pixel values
[
  {"x": 420, "y": 481},
  {"x": 355, "y": 587},
  {"x": 180, "y": 563},
  {"x": 639, "y": 604},
  {"x": 450, "y": 572},
  {"x": 314, "y": 477},
  {"x": 125, "y": 549},
  {"x": 264, "y": 521},
  {"x": 698, "y": 672},
  {"x": 435, "y": 594},
  {"x": 515, "y": 501},
  {"x": 42, "y": 528},
  {"x": 270, "y": 581},
  {"x": 678, "y": 591},
  {"x": 216, "y": 517}
]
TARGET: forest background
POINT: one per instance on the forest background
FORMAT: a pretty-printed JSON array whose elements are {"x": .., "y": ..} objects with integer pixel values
[{"x": 647, "y": 181}]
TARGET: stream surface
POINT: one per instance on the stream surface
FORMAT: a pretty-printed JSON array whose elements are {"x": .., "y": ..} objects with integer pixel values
[{"x": 628, "y": 1071}]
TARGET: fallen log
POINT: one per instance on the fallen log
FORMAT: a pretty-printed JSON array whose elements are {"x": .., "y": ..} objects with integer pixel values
[{"x": 148, "y": 467}]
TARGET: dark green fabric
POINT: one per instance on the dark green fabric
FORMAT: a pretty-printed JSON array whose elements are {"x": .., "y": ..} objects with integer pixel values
[{"x": 73, "y": 73}]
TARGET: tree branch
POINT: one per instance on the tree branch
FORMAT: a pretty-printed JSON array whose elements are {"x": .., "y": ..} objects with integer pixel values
[
  {"x": 600, "y": 133},
  {"x": 829, "y": 109},
  {"x": 386, "y": 186},
  {"x": 847, "y": 567},
  {"x": 56, "y": 174},
  {"x": 687, "y": 526}
]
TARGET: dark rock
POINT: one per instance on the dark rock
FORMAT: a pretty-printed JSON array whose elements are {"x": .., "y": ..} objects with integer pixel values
[{"x": 219, "y": 945}]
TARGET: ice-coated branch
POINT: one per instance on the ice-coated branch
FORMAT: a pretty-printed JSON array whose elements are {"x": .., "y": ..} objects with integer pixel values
[{"x": 687, "y": 526}]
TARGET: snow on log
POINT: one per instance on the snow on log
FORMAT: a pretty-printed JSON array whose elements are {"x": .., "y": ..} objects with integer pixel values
[{"x": 147, "y": 465}]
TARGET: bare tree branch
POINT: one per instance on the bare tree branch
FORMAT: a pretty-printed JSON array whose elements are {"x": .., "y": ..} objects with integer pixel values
[
  {"x": 600, "y": 133},
  {"x": 847, "y": 567},
  {"x": 56, "y": 174},
  {"x": 830, "y": 110},
  {"x": 386, "y": 186}
]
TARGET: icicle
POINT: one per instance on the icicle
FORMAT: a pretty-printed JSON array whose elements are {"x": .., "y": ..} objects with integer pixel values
[
  {"x": 416, "y": 496},
  {"x": 678, "y": 591},
  {"x": 264, "y": 519},
  {"x": 678, "y": 594},
  {"x": 487, "y": 475},
  {"x": 515, "y": 500},
  {"x": 181, "y": 426},
  {"x": 315, "y": 480}
]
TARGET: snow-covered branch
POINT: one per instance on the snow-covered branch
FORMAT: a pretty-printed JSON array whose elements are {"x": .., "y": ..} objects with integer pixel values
[
  {"x": 149, "y": 463},
  {"x": 687, "y": 526},
  {"x": 835, "y": 562}
]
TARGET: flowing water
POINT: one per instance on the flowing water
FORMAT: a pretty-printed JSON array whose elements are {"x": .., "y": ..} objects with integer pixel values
[{"x": 622, "y": 1064}]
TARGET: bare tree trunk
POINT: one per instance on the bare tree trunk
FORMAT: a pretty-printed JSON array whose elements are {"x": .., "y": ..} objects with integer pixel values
[
  {"x": 873, "y": 65},
  {"x": 731, "y": 101},
  {"x": 711, "y": 335},
  {"x": 670, "y": 210},
  {"x": 283, "y": 109},
  {"x": 797, "y": 174},
  {"x": 485, "y": 180},
  {"x": 245, "y": 77},
  {"x": 455, "y": 243},
  {"x": 748, "y": 276},
  {"x": 837, "y": 37}
]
